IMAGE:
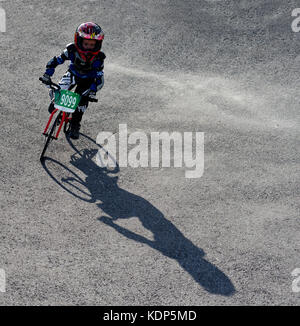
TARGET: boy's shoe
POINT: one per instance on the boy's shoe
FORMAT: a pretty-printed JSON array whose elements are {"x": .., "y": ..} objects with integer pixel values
[{"x": 74, "y": 131}]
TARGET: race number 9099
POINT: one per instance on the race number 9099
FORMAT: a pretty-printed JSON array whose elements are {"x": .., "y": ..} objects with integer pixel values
[{"x": 68, "y": 101}]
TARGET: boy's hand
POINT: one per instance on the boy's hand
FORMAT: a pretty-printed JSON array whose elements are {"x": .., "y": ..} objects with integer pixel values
[
  {"x": 89, "y": 93},
  {"x": 92, "y": 95},
  {"x": 46, "y": 79}
]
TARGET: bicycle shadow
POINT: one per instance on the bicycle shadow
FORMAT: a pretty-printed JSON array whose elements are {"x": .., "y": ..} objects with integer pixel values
[{"x": 119, "y": 203}]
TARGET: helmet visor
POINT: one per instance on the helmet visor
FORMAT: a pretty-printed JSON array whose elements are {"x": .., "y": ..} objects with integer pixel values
[{"x": 88, "y": 45}]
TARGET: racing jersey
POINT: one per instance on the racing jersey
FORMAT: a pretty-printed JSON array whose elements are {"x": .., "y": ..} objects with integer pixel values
[{"x": 78, "y": 67}]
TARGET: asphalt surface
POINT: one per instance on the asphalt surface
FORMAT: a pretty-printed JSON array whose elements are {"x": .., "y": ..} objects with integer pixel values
[{"x": 74, "y": 233}]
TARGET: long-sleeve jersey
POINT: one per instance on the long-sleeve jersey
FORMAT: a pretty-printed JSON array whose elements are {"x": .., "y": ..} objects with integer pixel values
[{"x": 78, "y": 67}]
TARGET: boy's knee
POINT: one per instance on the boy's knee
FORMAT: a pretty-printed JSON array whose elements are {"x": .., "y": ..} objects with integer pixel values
[{"x": 82, "y": 108}]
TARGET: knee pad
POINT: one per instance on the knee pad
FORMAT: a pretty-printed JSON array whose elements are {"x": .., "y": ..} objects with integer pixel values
[
  {"x": 51, "y": 94},
  {"x": 82, "y": 108}
]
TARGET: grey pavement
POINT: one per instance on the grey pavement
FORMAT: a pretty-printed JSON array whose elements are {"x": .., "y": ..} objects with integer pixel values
[{"x": 73, "y": 233}]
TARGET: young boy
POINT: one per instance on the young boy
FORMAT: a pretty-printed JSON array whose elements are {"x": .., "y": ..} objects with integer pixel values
[{"x": 85, "y": 70}]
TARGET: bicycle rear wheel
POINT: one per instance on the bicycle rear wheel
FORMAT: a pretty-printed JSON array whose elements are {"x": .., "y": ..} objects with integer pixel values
[{"x": 51, "y": 134}]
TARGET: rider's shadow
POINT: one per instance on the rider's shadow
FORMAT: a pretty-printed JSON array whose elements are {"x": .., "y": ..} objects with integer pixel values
[{"x": 118, "y": 203}]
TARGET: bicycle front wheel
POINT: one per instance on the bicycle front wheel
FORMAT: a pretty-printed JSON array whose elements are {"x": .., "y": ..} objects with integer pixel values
[{"x": 51, "y": 134}]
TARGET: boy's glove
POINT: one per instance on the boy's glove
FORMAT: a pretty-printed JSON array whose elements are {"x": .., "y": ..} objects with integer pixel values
[
  {"x": 92, "y": 95},
  {"x": 46, "y": 79},
  {"x": 89, "y": 93}
]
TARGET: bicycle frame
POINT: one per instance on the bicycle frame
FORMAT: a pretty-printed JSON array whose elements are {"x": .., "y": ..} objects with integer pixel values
[
  {"x": 64, "y": 115},
  {"x": 65, "y": 119}
]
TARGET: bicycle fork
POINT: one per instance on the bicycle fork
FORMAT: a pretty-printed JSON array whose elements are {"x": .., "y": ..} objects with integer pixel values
[{"x": 65, "y": 118}]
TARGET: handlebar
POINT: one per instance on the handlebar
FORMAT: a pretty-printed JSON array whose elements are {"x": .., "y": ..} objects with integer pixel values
[
  {"x": 92, "y": 99},
  {"x": 56, "y": 87},
  {"x": 51, "y": 84}
]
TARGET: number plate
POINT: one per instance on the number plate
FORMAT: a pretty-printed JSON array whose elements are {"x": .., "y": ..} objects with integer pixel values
[{"x": 66, "y": 101}]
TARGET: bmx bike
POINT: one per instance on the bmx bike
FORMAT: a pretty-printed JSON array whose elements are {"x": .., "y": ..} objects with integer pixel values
[{"x": 65, "y": 103}]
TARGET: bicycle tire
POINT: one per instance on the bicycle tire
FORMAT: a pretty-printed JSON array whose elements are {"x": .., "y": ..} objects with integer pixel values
[{"x": 50, "y": 135}]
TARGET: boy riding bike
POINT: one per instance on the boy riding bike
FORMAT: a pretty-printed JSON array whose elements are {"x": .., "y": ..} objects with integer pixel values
[{"x": 85, "y": 70}]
